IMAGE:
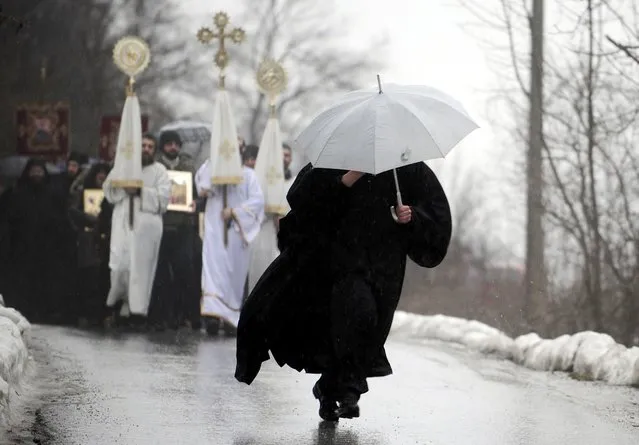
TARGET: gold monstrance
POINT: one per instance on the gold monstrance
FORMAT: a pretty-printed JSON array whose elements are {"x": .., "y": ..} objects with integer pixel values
[
  {"x": 269, "y": 166},
  {"x": 225, "y": 163},
  {"x": 132, "y": 56}
]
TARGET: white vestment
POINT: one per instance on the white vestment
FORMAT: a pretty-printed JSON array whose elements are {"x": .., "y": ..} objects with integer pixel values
[
  {"x": 134, "y": 253},
  {"x": 264, "y": 249},
  {"x": 224, "y": 269}
]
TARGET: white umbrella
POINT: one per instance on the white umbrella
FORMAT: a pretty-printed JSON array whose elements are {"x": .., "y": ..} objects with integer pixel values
[{"x": 375, "y": 130}]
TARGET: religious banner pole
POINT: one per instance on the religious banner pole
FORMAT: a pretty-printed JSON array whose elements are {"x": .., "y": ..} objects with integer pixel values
[
  {"x": 225, "y": 161},
  {"x": 132, "y": 56},
  {"x": 269, "y": 165}
]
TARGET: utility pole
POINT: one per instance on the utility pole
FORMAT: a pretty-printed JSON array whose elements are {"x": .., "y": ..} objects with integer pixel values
[{"x": 536, "y": 280}]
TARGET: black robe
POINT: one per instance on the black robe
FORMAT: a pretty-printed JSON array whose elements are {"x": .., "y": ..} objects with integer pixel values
[
  {"x": 334, "y": 241},
  {"x": 40, "y": 269}
]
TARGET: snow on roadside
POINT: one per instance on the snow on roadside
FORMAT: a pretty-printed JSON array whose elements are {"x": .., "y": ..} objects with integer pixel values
[
  {"x": 14, "y": 355},
  {"x": 587, "y": 355}
]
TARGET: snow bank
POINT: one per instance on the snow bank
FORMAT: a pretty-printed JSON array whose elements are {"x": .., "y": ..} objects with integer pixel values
[
  {"x": 587, "y": 355},
  {"x": 14, "y": 354},
  {"x": 470, "y": 333}
]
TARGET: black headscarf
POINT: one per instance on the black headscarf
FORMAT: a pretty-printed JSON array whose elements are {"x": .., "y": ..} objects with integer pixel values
[
  {"x": 25, "y": 179},
  {"x": 90, "y": 180}
]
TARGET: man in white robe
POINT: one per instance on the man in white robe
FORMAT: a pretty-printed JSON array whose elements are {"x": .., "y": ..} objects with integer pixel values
[
  {"x": 224, "y": 268},
  {"x": 264, "y": 249},
  {"x": 134, "y": 253}
]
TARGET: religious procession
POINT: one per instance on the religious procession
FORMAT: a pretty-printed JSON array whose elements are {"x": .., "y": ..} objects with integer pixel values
[{"x": 306, "y": 267}]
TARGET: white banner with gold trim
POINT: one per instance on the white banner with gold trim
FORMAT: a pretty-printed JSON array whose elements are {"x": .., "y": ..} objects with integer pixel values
[
  {"x": 269, "y": 168},
  {"x": 226, "y": 163},
  {"x": 127, "y": 169}
]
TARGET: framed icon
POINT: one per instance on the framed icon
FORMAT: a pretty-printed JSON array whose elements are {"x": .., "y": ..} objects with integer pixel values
[
  {"x": 181, "y": 199},
  {"x": 92, "y": 200}
]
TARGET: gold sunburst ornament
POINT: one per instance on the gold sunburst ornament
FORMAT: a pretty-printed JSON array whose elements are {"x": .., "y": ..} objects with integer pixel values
[
  {"x": 272, "y": 80},
  {"x": 132, "y": 56}
]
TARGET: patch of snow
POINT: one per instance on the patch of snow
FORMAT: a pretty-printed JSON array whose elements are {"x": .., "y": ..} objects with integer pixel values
[
  {"x": 470, "y": 333},
  {"x": 14, "y": 355},
  {"x": 588, "y": 355}
]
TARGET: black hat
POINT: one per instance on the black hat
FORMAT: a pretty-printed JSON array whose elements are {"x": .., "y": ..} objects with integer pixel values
[
  {"x": 170, "y": 136},
  {"x": 250, "y": 152}
]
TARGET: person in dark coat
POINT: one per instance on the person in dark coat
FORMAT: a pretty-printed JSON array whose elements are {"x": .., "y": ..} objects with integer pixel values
[
  {"x": 326, "y": 304},
  {"x": 175, "y": 300},
  {"x": 40, "y": 234},
  {"x": 89, "y": 305}
]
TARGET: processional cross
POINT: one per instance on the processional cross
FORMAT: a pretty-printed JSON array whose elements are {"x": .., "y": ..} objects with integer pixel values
[
  {"x": 206, "y": 35},
  {"x": 237, "y": 35}
]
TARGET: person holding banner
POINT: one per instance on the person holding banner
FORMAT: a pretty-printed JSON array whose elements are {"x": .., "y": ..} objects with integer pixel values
[{"x": 134, "y": 251}]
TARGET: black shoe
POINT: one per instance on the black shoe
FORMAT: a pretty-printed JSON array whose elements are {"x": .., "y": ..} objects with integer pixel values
[
  {"x": 229, "y": 329},
  {"x": 212, "y": 326},
  {"x": 328, "y": 407},
  {"x": 348, "y": 407}
]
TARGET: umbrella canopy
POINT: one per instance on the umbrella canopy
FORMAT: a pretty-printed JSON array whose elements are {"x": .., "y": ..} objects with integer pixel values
[{"x": 374, "y": 131}]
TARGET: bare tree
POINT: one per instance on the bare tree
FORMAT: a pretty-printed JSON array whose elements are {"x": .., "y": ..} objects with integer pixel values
[
  {"x": 590, "y": 159},
  {"x": 74, "y": 42},
  {"x": 535, "y": 278}
]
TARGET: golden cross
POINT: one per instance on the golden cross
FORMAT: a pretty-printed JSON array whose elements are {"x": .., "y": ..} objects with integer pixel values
[
  {"x": 127, "y": 150},
  {"x": 272, "y": 175},
  {"x": 206, "y": 35},
  {"x": 226, "y": 150}
]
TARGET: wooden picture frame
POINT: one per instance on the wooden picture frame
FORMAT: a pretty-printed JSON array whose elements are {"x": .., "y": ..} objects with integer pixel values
[
  {"x": 92, "y": 201},
  {"x": 181, "y": 198}
]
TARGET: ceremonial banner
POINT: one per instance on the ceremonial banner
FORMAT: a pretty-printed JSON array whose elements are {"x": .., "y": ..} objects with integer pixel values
[
  {"x": 226, "y": 163},
  {"x": 269, "y": 168},
  {"x": 43, "y": 130},
  {"x": 269, "y": 165},
  {"x": 109, "y": 128},
  {"x": 181, "y": 199},
  {"x": 127, "y": 168}
]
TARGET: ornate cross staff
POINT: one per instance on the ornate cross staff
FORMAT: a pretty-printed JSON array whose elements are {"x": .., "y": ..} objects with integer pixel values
[
  {"x": 226, "y": 149},
  {"x": 206, "y": 35}
]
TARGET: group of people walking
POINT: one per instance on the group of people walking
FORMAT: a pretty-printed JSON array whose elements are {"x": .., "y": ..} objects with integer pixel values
[{"x": 63, "y": 264}]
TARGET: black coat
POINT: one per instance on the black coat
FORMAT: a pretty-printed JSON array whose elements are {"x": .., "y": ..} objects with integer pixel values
[{"x": 332, "y": 232}]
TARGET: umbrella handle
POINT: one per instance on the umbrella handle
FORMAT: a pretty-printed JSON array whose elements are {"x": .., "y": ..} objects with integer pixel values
[
  {"x": 399, "y": 197},
  {"x": 399, "y": 204},
  {"x": 394, "y": 214}
]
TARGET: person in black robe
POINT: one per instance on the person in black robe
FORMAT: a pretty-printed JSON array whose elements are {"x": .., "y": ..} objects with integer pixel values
[
  {"x": 89, "y": 305},
  {"x": 175, "y": 299},
  {"x": 326, "y": 304},
  {"x": 39, "y": 243}
]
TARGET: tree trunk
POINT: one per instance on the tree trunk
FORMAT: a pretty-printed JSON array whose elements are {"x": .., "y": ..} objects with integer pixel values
[
  {"x": 535, "y": 285},
  {"x": 595, "y": 296}
]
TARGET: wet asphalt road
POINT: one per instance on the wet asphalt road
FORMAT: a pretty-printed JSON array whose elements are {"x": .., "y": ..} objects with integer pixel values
[{"x": 173, "y": 388}]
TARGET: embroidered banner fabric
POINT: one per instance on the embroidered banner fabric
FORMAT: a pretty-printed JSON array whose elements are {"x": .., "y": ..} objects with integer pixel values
[{"x": 43, "y": 130}]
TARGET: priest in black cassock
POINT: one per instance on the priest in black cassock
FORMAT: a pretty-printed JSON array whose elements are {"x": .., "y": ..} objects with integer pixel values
[
  {"x": 326, "y": 304},
  {"x": 176, "y": 292}
]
